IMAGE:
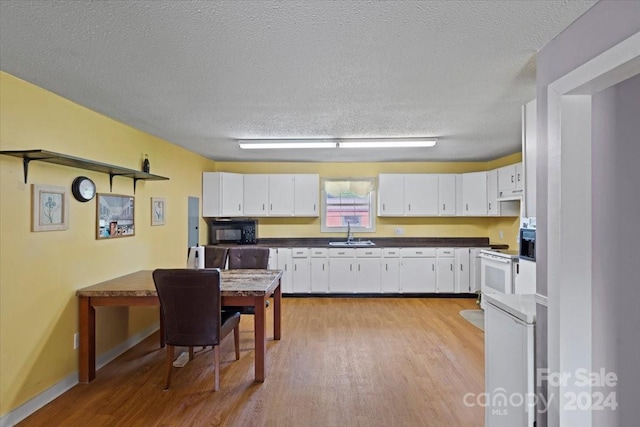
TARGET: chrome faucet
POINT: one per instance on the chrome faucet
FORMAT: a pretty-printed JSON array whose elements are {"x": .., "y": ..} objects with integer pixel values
[{"x": 349, "y": 235}]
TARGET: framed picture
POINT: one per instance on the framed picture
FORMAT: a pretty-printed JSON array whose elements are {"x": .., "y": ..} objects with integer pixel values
[
  {"x": 115, "y": 216},
  {"x": 50, "y": 208},
  {"x": 158, "y": 208}
]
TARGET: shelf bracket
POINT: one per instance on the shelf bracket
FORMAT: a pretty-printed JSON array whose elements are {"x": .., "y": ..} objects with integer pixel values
[
  {"x": 111, "y": 182},
  {"x": 25, "y": 166},
  {"x": 135, "y": 180}
]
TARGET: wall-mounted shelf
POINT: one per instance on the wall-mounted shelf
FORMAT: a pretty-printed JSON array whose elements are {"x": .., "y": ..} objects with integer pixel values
[{"x": 76, "y": 162}]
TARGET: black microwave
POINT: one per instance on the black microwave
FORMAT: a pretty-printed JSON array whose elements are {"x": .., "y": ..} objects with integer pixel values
[
  {"x": 528, "y": 244},
  {"x": 242, "y": 232}
]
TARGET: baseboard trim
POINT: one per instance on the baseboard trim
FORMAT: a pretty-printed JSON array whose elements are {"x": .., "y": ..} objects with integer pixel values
[{"x": 23, "y": 411}]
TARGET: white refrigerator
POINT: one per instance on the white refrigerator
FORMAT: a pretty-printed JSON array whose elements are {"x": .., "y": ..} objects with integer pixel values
[{"x": 509, "y": 360}]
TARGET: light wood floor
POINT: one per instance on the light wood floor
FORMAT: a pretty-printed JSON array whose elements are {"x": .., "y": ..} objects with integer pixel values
[{"x": 341, "y": 362}]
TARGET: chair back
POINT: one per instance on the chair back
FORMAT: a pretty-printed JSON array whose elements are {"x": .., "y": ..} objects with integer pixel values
[
  {"x": 215, "y": 256},
  {"x": 248, "y": 257},
  {"x": 190, "y": 304}
]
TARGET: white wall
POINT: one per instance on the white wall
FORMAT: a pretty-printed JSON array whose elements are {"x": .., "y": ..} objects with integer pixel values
[{"x": 616, "y": 254}]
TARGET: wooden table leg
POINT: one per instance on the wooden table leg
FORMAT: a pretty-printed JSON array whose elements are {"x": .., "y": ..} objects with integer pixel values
[
  {"x": 260, "y": 326},
  {"x": 87, "y": 330},
  {"x": 277, "y": 310}
]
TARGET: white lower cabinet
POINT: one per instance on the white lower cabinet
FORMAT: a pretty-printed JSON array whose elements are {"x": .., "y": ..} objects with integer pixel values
[
  {"x": 418, "y": 270},
  {"x": 462, "y": 274},
  {"x": 475, "y": 269},
  {"x": 301, "y": 271},
  {"x": 368, "y": 278},
  {"x": 342, "y": 272},
  {"x": 445, "y": 273},
  {"x": 319, "y": 270},
  {"x": 390, "y": 270},
  {"x": 283, "y": 262}
]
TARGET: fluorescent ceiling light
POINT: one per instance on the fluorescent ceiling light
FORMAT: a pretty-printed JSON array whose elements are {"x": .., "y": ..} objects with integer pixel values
[
  {"x": 388, "y": 143},
  {"x": 269, "y": 144}
]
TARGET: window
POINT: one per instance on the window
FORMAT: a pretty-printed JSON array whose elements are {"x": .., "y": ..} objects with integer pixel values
[{"x": 348, "y": 201}]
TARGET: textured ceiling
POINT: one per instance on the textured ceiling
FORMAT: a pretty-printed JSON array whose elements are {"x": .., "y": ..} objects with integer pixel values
[{"x": 202, "y": 74}]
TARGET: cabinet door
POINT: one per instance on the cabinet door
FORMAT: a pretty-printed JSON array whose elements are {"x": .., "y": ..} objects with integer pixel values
[
  {"x": 462, "y": 276},
  {"x": 421, "y": 194},
  {"x": 418, "y": 275},
  {"x": 319, "y": 274},
  {"x": 474, "y": 193},
  {"x": 519, "y": 176},
  {"x": 493, "y": 208},
  {"x": 232, "y": 194},
  {"x": 368, "y": 279},
  {"x": 284, "y": 264},
  {"x": 211, "y": 194},
  {"x": 445, "y": 276},
  {"x": 281, "y": 192},
  {"x": 256, "y": 194},
  {"x": 390, "y": 195},
  {"x": 390, "y": 275},
  {"x": 507, "y": 178},
  {"x": 447, "y": 194},
  {"x": 306, "y": 194},
  {"x": 342, "y": 275},
  {"x": 301, "y": 275},
  {"x": 459, "y": 200}
]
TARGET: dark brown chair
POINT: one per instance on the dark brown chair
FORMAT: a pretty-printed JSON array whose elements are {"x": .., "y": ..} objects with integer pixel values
[
  {"x": 190, "y": 306},
  {"x": 249, "y": 257},
  {"x": 215, "y": 257}
]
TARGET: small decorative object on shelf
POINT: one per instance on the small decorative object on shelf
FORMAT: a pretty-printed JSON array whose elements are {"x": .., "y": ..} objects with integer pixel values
[{"x": 145, "y": 164}]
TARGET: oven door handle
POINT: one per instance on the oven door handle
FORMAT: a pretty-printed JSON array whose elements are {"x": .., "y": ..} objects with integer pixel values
[{"x": 496, "y": 259}]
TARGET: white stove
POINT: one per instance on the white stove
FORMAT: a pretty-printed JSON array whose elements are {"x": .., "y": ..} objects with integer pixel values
[{"x": 497, "y": 272}]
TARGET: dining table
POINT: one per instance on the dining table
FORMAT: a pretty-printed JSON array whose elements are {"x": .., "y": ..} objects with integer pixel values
[{"x": 242, "y": 287}]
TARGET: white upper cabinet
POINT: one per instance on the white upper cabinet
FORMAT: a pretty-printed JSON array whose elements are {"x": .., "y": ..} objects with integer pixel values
[
  {"x": 222, "y": 194},
  {"x": 407, "y": 194},
  {"x": 510, "y": 181},
  {"x": 529, "y": 149},
  {"x": 390, "y": 194},
  {"x": 256, "y": 195},
  {"x": 493, "y": 207},
  {"x": 447, "y": 194},
  {"x": 306, "y": 194},
  {"x": 420, "y": 194},
  {"x": 474, "y": 194},
  {"x": 281, "y": 190},
  {"x": 281, "y": 195}
]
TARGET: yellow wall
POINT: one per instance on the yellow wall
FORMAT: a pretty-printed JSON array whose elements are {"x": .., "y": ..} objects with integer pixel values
[
  {"x": 39, "y": 272},
  {"x": 385, "y": 227}
]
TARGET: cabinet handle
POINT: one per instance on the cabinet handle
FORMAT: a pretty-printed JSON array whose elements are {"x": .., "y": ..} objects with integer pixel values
[
  {"x": 386, "y": 267},
  {"x": 433, "y": 267},
  {"x": 263, "y": 206},
  {"x": 461, "y": 267},
  {"x": 418, "y": 252},
  {"x": 286, "y": 267},
  {"x": 295, "y": 267},
  {"x": 314, "y": 207},
  {"x": 518, "y": 177},
  {"x": 239, "y": 207},
  {"x": 409, "y": 206},
  {"x": 358, "y": 267},
  {"x": 451, "y": 265},
  {"x": 512, "y": 178},
  {"x": 489, "y": 205},
  {"x": 384, "y": 207},
  {"x": 467, "y": 206},
  {"x": 350, "y": 267},
  {"x": 323, "y": 267},
  {"x": 443, "y": 208},
  {"x": 368, "y": 253},
  {"x": 271, "y": 207}
]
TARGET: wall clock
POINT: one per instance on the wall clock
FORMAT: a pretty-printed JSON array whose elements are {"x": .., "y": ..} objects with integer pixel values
[{"x": 83, "y": 189}]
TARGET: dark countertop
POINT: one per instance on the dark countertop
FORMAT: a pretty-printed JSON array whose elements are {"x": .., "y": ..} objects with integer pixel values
[{"x": 381, "y": 242}]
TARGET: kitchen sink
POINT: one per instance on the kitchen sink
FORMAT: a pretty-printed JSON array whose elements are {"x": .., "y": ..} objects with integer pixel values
[{"x": 353, "y": 243}]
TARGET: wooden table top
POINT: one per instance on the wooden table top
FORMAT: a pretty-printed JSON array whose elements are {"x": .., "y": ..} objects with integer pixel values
[{"x": 234, "y": 283}]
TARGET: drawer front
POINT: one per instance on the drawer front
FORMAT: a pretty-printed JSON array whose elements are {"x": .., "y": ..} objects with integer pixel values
[
  {"x": 368, "y": 252},
  {"x": 445, "y": 252},
  {"x": 418, "y": 252},
  {"x": 300, "y": 252},
  {"x": 319, "y": 252},
  {"x": 342, "y": 253},
  {"x": 391, "y": 252}
]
